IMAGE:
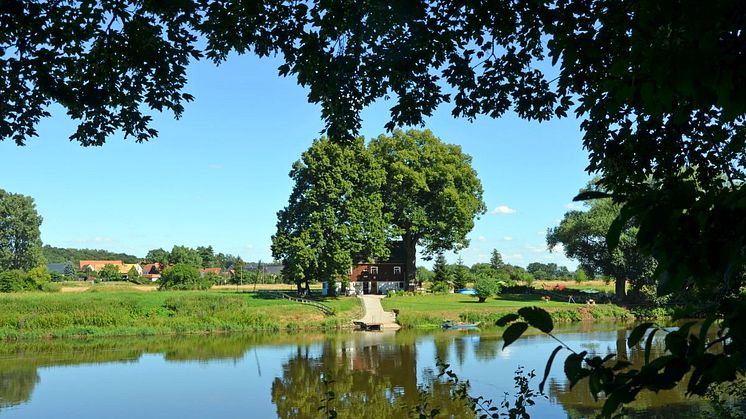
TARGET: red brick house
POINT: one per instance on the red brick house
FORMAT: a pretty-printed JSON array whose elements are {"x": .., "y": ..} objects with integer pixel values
[{"x": 381, "y": 276}]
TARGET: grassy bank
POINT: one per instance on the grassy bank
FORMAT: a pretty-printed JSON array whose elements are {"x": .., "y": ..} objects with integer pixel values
[
  {"x": 121, "y": 313},
  {"x": 429, "y": 311}
]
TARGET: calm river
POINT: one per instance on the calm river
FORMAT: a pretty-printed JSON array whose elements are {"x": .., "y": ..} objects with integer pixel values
[{"x": 376, "y": 375}]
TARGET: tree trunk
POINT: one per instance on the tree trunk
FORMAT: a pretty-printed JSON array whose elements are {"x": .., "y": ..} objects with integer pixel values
[
  {"x": 410, "y": 246},
  {"x": 621, "y": 291}
]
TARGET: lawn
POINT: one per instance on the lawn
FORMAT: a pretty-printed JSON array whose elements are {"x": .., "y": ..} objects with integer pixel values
[
  {"x": 111, "y": 312},
  {"x": 430, "y": 310}
]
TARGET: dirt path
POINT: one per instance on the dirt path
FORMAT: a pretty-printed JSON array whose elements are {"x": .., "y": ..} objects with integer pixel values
[{"x": 374, "y": 313}]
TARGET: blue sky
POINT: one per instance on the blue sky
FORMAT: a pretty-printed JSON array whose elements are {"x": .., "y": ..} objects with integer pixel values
[{"x": 219, "y": 175}]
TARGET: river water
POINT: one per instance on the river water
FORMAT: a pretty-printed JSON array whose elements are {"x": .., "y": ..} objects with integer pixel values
[{"x": 375, "y": 375}]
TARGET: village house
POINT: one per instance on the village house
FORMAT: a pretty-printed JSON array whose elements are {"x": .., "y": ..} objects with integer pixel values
[
  {"x": 97, "y": 265},
  {"x": 383, "y": 275},
  {"x": 152, "y": 271}
]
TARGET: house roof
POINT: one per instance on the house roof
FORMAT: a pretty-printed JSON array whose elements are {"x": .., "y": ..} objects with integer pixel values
[
  {"x": 125, "y": 267},
  {"x": 152, "y": 268},
  {"x": 266, "y": 268},
  {"x": 56, "y": 267},
  {"x": 213, "y": 270},
  {"x": 98, "y": 264}
]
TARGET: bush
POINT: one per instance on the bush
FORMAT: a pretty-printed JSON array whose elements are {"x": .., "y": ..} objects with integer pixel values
[
  {"x": 580, "y": 276},
  {"x": 51, "y": 287},
  {"x": 183, "y": 277},
  {"x": 13, "y": 281},
  {"x": 486, "y": 287},
  {"x": 440, "y": 287}
]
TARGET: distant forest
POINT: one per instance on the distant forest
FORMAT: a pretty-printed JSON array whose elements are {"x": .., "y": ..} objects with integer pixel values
[{"x": 60, "y": 255}]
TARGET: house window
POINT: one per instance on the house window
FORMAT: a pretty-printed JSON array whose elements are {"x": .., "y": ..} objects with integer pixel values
[
  {"x": 374, "y": 270},
  {"x": 397, "y": 270}
]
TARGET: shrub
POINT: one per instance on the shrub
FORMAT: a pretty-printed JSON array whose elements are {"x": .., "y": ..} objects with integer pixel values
[
  {"x": 183, "y": 277},
  {"x": 486, "y": 287},
  {"x": 51, "y": 287},
  {"x": 13, "y": 281},
  {"x": 440, "y": 287},
  {"x": 580, "y": 276}
]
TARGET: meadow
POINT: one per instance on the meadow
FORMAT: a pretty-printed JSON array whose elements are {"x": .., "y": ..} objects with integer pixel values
[{"x": 120, "y": 311}]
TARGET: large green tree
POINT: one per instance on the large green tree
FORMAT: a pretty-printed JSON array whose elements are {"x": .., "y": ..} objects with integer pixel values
[
  {"x": 582, "y": 235},
  {"x": 185, "y": 255},
  {"x": 431, "y": 192},
  {"x": 157, "y": 256},
  {"x": 20, "y": 238},
  {"x": 334, "y": 214}
]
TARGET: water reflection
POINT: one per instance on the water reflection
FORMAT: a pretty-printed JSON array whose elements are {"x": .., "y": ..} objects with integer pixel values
[{"x": 375, "y": 374}]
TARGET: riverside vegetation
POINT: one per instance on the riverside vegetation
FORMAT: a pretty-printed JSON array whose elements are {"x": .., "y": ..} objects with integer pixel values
[{"x": 119, "y": 313}]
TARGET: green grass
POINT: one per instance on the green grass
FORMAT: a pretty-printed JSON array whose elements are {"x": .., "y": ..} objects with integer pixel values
[
  {"x": 430, "y": 310},
  {"x": 111, "y": 313}
]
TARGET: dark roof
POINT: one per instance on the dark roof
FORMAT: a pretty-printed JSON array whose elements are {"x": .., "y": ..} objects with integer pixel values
[
  {"x": 266, "y": 268},
  {"x": 56, "y": 267},
  {"x": 397, "y": 254}
]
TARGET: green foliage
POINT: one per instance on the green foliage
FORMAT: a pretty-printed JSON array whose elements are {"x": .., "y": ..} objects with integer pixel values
[
  {"x": 212, "y": 278},
  {"x": 460, "y": 275},
  {"x": 134, "y": 276},
  {"x": 440, "y": 269},
  {"x": 547, "y": 271},
  {"x": 185, "y": 255},
  {"x": 334, "y": 214},
  {"x": 728, "y": 400},
  {"x": 183, "y": 276},
  {"x": 486, "y": 288},
  {"x": 432, "y": 192},
  {"x": 39, "y": 276},
  {"x": 440, "y": 287},
  {"x": 158, "y": 256},
  {"x": 688, "y": 351},
  {"x": 109, "y": 273},
  {"x": 13, "y": 281},
  {"x": 583, "y": 237},
  {"x": 20, "y": 238},
  {"x": 120, "y": 313},
  {"x": 74, "y": 256},
  {"x": 424, "y": 274},
  {"x": 580, "y": 276},
  {"x": 496, "y": 261}
]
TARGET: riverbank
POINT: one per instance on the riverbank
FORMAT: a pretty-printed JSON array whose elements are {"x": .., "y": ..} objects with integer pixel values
[
  {"x": 138, "y": 313},
  {"x": 128, "y": 311},
  {"x": 430, "y": 310}
]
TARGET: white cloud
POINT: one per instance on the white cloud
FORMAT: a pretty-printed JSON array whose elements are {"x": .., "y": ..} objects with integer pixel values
[
  {"x": 507, "y": 238},
  {"x": 537, "y": 248},
  {"x": 482, "y": 238},
  {"x": 573, "y": 206},
  {"x": 503, "y": 209},
  {"x": 97, "y": 240},
  {"x": 516, "y": 256}
]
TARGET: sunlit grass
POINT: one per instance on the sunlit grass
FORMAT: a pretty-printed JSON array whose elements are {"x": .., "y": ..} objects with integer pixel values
[{"x": 126, "y": 312}]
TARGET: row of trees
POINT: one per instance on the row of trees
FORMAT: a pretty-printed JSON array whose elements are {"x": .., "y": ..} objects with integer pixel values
[
  {"x": 350, "y": 201},
  {"x": 458, "y": 275},
  {"x": 62, "y": 255},
  {"x": 200, "y": 257}
]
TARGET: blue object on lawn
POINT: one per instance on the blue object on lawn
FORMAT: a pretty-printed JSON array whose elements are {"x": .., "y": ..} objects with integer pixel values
[{"x": 467, "y": 291}]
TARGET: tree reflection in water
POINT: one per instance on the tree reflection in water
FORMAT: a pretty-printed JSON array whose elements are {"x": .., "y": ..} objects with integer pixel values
[
  {"x": 16, "y": 385},
  {"x": 374, "y": 376},
  {"x": 578, "y": 402}
]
